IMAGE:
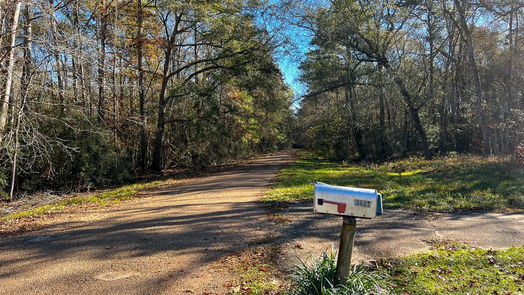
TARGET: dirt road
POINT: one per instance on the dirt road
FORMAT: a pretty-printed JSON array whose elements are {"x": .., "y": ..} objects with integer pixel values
[
  {"x": 167, "y": 243},
  {"x": 173, "y": 241}
]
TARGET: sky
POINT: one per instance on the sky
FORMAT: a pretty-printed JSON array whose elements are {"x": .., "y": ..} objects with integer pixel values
[
  {"x": 295, "y": 42},
  {"x": 289, "y": 68},
  {"x": 288, "y": 60}
]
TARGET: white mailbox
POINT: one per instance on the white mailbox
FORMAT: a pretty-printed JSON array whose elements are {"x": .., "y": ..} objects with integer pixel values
[{"x": 347, "y": 201}]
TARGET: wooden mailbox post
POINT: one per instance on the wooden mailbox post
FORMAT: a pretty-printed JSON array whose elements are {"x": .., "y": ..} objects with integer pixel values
[{"x": 350, "y": 203}]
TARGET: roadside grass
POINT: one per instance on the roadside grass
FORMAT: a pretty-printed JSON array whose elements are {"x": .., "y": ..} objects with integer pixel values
[
  {"x": 451, "y": 268},
  {"x": 458, "y": 269},
  {"x": 446, "y": 184},
  {"x": 97, "y": 199}
]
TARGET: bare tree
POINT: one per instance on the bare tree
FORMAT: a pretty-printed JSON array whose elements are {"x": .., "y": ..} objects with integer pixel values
[{"x": 4, "y": 107}]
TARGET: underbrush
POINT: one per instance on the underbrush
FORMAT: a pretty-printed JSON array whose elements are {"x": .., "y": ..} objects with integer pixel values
[
  {"x": 3, "y": 184},
  {"x": 446, "y": 184}
]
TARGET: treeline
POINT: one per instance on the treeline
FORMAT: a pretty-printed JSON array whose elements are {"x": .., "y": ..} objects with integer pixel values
[
  {"x": 393, "y": 78},
  {"x": 93, "y": 91}
]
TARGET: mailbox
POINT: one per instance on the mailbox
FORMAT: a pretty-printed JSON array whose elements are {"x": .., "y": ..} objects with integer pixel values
[{"x": 347, "y": 201}]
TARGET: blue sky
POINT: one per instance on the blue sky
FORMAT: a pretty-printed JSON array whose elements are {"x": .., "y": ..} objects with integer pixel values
[
  {"x": 294, "y": 43},
  {"x": 289, "y": 68}
]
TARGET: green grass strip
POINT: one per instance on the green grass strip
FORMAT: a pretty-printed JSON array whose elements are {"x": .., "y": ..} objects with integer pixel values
[
  {"x": 101, "y": 199},
  {"x": 446, "y": 184}
]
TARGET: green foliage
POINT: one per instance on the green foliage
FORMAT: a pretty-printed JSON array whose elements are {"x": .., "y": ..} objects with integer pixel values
[
  {"x": 220, "y": 96},
  {"x": 445, "y": 184},
  {"x": 320, "y": 279},
  {"x": 452, "y": 268},
  {"x": 459, "y": 270},
  {"x": 249, "y": 115},
  {"x": 97, "y": 160},
  {"x": 376, "y": 88},
  {"x": 82, "y": 156},
  {"x": 3, "y": 183}
]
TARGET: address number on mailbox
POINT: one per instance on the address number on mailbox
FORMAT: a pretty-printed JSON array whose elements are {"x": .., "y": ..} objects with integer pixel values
[{"x": 347, "y": 201}]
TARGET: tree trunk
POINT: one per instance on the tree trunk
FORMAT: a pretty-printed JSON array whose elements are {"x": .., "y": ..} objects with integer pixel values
[
  {"x": 405, "y": 134},
  {"x": 428, "y": 154},
  {"x": 101, "y": 62},
  {"x": 79, "y": 65},
  {"x": 28, "y": 41},
  {"x": 468, "y": 40},
  {"x": 157, "y": 164},
  {"x": 26, "y": 77},
  {"x": 56, "y": 55},
  {"x": 10, "y": 68},
  {"x": 382, "y": 124},
  {"x": 159, "y": 134},
  {"x": 413, "y": 112},
  {"x": 141, "y": 89}
]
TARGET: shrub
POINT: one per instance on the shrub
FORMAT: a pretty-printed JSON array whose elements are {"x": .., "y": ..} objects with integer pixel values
[
  {"x": 97, "y": 161},
  {"x": 83, "y": 156},
  {"x": 320, "y": 279},
  {"x": 3, "y": 184}
]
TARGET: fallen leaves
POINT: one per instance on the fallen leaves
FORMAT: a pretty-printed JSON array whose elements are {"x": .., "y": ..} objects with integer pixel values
[
  {"x": 279, "y": 218},
  {"x": 257, "y": 270}
]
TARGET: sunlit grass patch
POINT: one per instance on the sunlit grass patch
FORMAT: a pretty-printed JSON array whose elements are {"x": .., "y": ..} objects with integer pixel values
[
  {"x": 459, "y": 270},
  {"x": 405, "y": 173},
  {"x": 445, "y": 184},
  {"x": 98, "y": 199}
]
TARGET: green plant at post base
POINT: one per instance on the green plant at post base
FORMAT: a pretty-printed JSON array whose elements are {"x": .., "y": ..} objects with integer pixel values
[{"x": 320, "y": 279}]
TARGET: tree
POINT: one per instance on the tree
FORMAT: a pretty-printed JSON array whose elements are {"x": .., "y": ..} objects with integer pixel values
[
  {"x": 95, "y": 83},
  {"x": 424, "y": 68},
  {"x": 6, "y": 97}
]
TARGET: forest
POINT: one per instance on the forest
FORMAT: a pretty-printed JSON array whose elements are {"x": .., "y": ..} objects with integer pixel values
[
  {"x": 96, "y": 92},
  {"x": 395, "y": 78}
]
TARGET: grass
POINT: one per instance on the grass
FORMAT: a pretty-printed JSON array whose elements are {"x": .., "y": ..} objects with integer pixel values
[
  {"x": 451, "y": 268},
  {"x": 458, "y": 270},
  {"x": 97, "y": 199},
  {"x": 446, "y": 184}
]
